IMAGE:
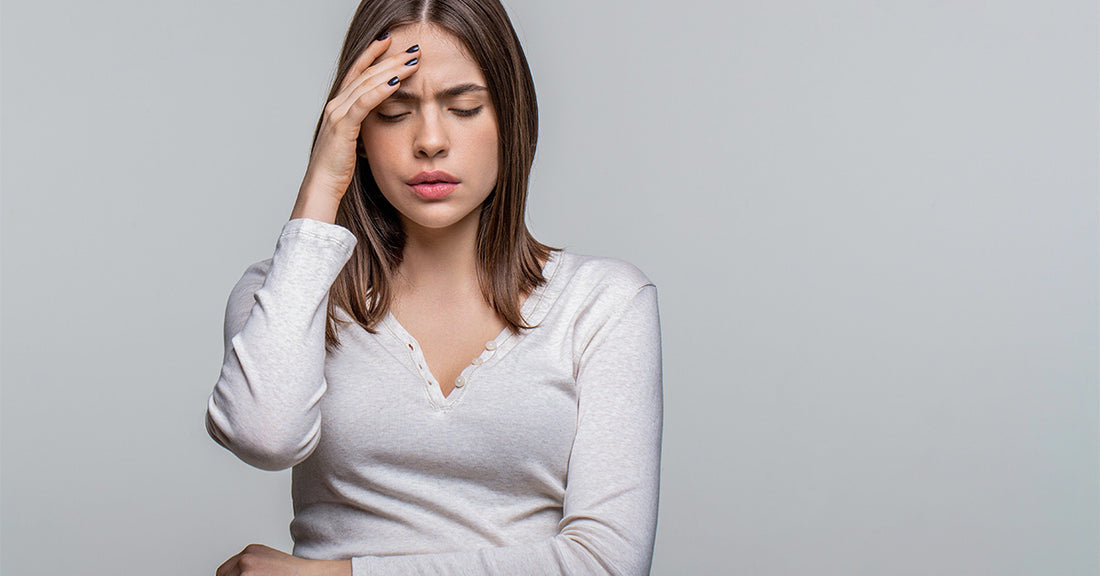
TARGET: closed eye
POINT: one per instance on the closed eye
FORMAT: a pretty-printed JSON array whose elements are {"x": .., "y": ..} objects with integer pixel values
[
  {"x": 389, "y": 118},
  {"x": 466, "y": 113},
  {"x": 463, "y": 112}
]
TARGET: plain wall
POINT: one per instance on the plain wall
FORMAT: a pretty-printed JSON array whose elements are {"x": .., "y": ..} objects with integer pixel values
[{"x": 873, "y": 227}]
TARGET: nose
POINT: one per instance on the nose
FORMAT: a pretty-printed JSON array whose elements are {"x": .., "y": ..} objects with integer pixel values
[{"x": 431, "y": 139}]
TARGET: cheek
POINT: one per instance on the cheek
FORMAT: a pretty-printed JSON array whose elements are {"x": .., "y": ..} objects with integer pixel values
[
  {"x": 367, "y": 143},
  {"x": 487, "y": 143},
  {"x": 378, "y": 151},
  {"x": 380, "y": 163}
]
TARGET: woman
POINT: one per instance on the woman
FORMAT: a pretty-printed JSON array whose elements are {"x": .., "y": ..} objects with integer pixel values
[{"x": 453, "y": 396}]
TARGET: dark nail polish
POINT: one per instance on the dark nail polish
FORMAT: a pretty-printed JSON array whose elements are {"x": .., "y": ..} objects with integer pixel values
[
  {"x": 383, "y": 36},
  {"x": 414, "y": 48},
  {"x": 411, "y": 62},
  {"x": 393, "y": 81}
]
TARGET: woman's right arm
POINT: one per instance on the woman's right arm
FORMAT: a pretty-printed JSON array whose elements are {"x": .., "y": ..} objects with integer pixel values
[{"x": 264, "y": 407}]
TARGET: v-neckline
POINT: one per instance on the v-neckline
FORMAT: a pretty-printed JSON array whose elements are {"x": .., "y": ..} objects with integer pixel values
[{"x": 491, "y": 353}]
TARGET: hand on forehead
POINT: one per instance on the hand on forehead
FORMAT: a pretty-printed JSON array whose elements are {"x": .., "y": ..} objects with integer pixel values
[{"x": 433, "y": 40}]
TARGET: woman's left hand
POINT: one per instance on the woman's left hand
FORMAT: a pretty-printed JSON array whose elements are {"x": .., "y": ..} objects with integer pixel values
[{"x": 260, "y": 560}]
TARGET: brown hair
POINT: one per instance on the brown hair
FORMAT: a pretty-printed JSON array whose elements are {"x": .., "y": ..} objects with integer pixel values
[{"x": 507, "y": 254}]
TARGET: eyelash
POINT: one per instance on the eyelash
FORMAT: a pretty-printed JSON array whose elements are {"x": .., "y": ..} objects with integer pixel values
[{"x": 458, "y": 111}]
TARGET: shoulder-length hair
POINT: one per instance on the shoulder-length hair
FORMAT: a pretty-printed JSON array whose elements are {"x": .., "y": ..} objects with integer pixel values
[{"x": 507, "y": 254}]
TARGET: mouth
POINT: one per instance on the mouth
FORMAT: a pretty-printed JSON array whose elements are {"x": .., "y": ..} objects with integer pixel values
[
  {"x": 433, "y": 177},
  {"x": 433, "y": 185}
]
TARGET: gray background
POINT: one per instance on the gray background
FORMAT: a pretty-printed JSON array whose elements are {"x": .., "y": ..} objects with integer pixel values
[{"x": 873, "y": 225}]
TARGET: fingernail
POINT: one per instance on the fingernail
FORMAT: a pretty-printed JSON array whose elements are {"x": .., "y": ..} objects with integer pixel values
[
  {"x": 411, "y": 62},
  {"x": 393, "y": 81},
  {"x": 383, "y": 36},
  {"x": 414, "y": 48}
]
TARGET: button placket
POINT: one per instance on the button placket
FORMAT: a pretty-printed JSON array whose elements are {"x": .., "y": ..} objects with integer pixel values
[
  {"x": 418, "y": 359},
  {"x": 490, "y": 348},
  {"x": 493, "y": 349}
]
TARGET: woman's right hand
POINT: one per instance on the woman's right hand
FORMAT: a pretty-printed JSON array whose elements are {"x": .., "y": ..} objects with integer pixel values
[{"x": 332, "y": 162}]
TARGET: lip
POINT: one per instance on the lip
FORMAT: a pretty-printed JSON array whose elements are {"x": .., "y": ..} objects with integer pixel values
[
  {"x": 431, "y": 177},
  {"x": 433, "y": 185},
  {"x": 434, "y": 190}
]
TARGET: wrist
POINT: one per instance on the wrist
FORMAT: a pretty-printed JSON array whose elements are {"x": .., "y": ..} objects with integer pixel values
[
  {"x": 315, "y": 202},
  {"x": 334, "y": 568}
]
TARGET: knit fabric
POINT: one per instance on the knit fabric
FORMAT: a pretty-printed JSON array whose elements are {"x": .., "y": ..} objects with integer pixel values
[{"x": 544, "y": 458}]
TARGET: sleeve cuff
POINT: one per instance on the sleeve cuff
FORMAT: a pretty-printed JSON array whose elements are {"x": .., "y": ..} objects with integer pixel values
[
  {"x": 320, "y": 230},
  {"x": 361, "y": 566}
]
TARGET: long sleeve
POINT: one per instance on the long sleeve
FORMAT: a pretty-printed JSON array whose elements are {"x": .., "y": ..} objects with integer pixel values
[
  {"x": 264, "y": 405},
  {"x": 610, "y": 507}
]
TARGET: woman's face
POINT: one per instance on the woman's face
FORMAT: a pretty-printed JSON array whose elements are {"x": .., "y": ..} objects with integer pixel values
[{"x": 440, "y": 125}]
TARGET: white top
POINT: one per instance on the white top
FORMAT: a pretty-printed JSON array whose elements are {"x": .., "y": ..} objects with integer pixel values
[{"x": 544, "y": 459}]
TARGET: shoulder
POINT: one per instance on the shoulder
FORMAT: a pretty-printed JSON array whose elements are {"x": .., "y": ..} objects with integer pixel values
[
  {"x": 603, "y": 272},
  {"x": 257, "y": 269},
  {"x": 599, "y": 295},
  {"x": 243, "y": 296},
  {"x": 593, "y": 289},
  {"x": 252, "y": 279}
]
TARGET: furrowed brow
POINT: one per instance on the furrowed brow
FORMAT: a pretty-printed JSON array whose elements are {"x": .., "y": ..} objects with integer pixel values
[
  {"x": 460, "y": 90},
  {"x": 453, "y": 91}
]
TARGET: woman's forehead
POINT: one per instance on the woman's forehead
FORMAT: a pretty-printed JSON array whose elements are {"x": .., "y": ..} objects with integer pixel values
[
  {"x": 445, "y": 61},
  {"x": 432, "y": 39}
]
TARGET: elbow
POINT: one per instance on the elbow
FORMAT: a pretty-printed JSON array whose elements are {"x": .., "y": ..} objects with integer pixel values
[
  {"x": 609, "y": 552},
  {"x": 260, "y": 444}
]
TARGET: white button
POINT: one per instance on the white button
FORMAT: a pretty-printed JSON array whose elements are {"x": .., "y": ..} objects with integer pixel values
[
  {"x": 477, "y": 361},
  {"x": 460, "y": 381},
  {"x": 491, "y": 345}
]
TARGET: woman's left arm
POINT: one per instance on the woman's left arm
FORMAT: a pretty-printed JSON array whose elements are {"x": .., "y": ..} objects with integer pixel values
[{"x": 609, "y": 519}]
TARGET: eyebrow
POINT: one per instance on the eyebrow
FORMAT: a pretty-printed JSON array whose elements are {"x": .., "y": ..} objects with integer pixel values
[{"x": 445, "y": 93}]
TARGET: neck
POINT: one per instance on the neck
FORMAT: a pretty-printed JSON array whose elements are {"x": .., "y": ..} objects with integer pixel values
[{"x": 440, "y": 262}]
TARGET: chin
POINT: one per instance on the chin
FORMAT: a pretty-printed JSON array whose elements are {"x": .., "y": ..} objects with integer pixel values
[
  {"x": 438, "y": 219},
  {"x": 434, "y": 224}
]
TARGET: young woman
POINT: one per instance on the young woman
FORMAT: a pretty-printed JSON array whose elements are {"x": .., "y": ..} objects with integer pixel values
[{"x": 453, "y": 396}]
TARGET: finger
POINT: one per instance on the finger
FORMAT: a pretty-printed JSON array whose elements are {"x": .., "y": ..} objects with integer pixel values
[
  {"x": 398, "y": 56},
  {"x": 375, "y": 49},
  {"x": 375, "y": 90},
  {"x": 396, "y": 65},
  {"x": 368, "y": 100}
]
